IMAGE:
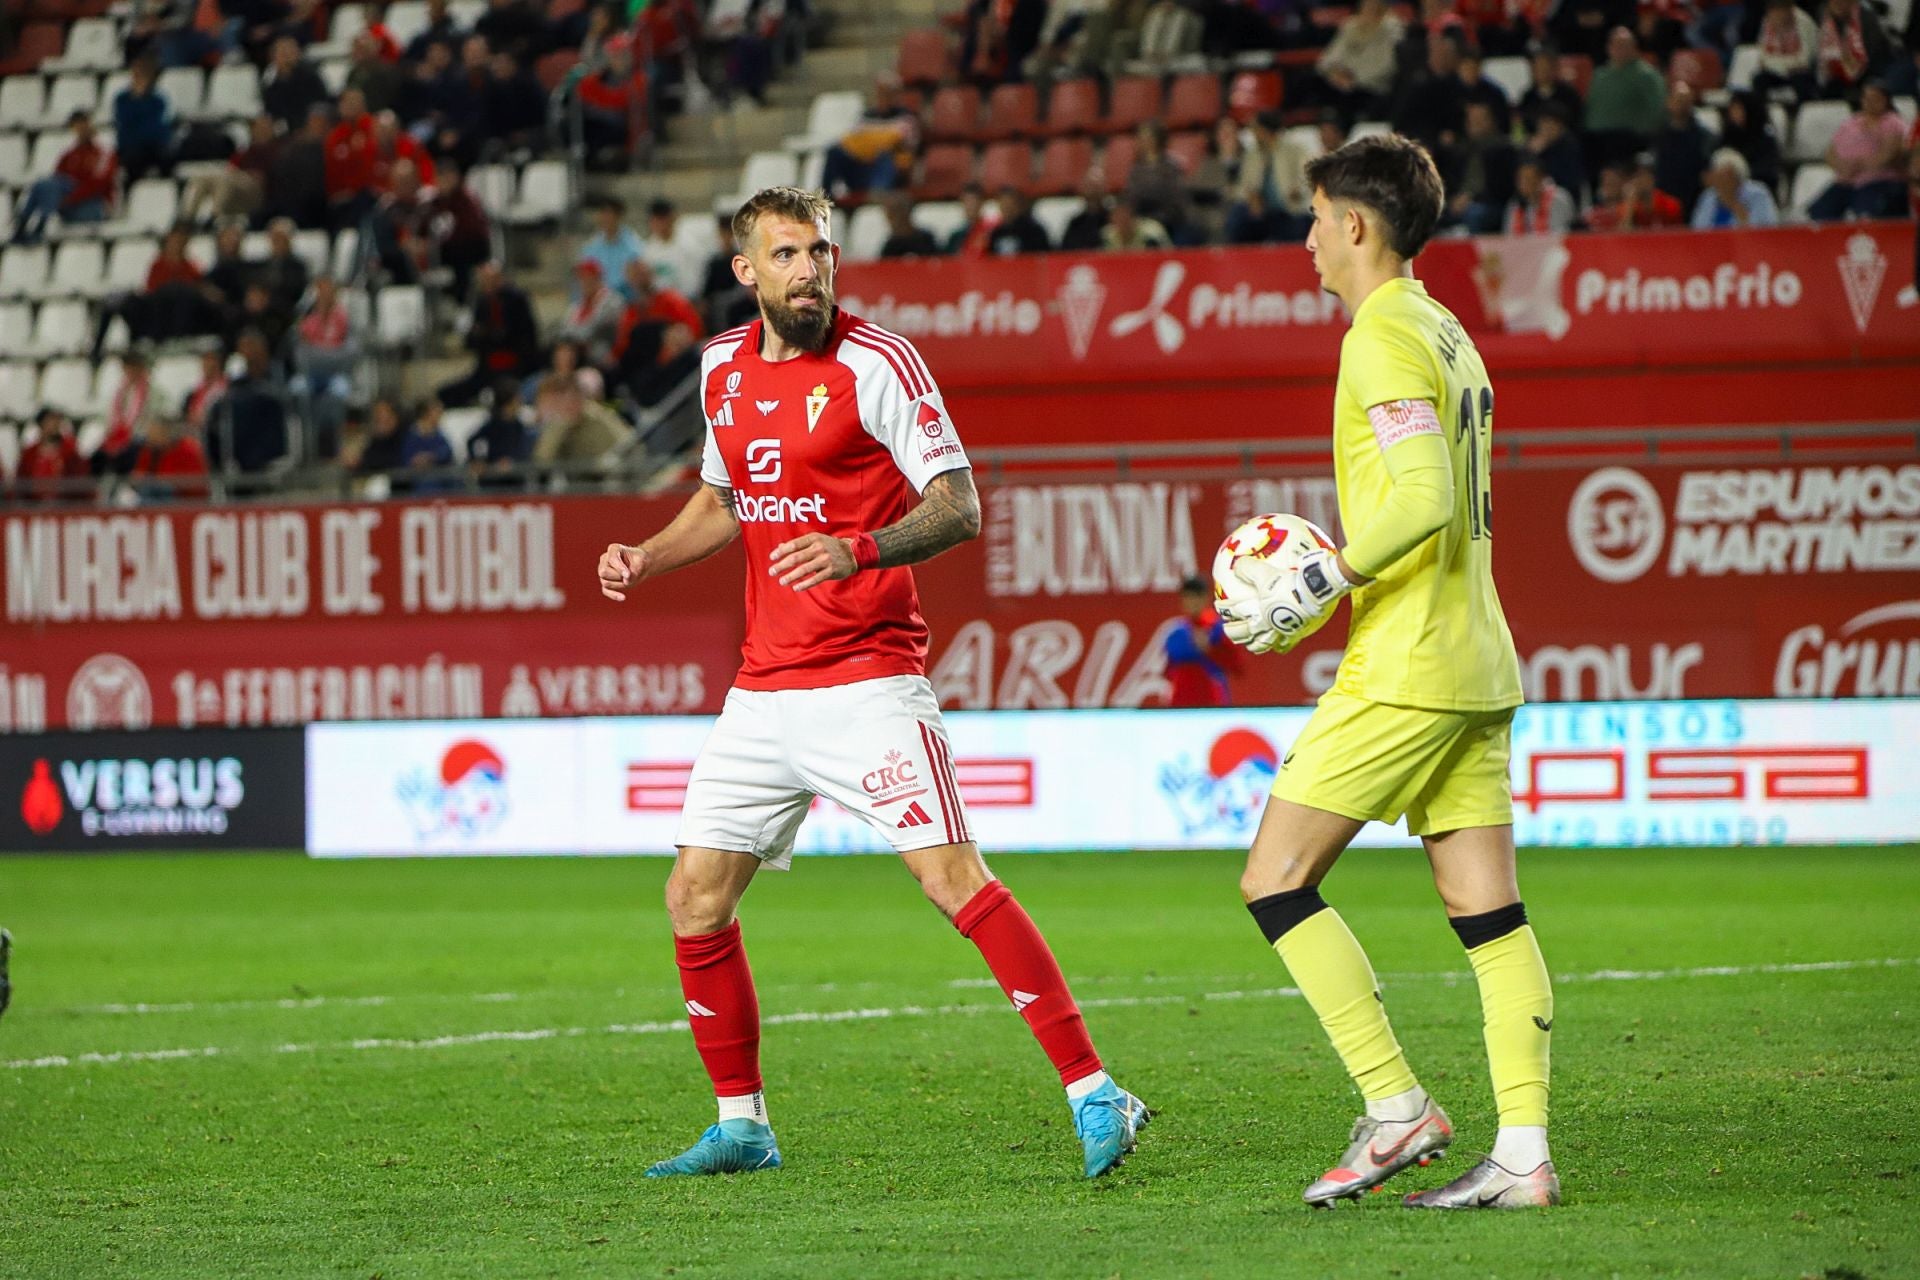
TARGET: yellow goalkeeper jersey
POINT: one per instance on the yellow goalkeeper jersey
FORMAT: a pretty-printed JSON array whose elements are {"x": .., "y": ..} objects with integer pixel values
[{"x": 1429, "y": 631}]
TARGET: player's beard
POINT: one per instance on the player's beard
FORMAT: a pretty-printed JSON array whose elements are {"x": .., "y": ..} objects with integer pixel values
[{"x": 803, "y": 327}]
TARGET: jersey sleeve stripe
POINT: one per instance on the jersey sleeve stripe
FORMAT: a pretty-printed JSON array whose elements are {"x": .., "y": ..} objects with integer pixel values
[
  {"x": 910, "y": 357},
  {"x": 939, "y": 780},
  {"x": 901, "y": 369}
]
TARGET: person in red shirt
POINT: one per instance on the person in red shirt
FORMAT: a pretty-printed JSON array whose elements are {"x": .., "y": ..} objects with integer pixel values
[
  {"x": 129, "y": 414},
  {"x": 831, "y": 457},
  {"x": 612, "y": 101},
  {"x": 654, "y": 350},
  {"x": 81, "y": 188},
  {"x": 51, "y": 466},
  {"x": 169, "y": 463},
  {"x": 212, "y": 385},
  {"x": 1646, "y": 206},
  {"x": 351, "y": 162},
  {"x": 392, "y": 144},
  {"x": 1199, "y": 656}
]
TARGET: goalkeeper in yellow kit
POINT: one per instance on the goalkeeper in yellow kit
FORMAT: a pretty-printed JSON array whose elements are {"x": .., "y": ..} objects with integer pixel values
[{"x": 1419, "y": 717}]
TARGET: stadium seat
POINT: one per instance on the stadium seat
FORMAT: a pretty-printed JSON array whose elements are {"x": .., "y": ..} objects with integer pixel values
[
  {"x": 349, "y": 20},
  {"x": 68, "y": 385},
  {"x": 1189, "y": 150},
  {"x": 1307, "y": 138},
  {"x": 110, "y": 88},
  {"x": 13, "y": 156},
  {"x": 9, "y": 445},
  {"x": 550, "y": 69},
  {"x": 19, "y": 391},
  {"x": 1813, "y": 129},
  {"x": 16, "y": 327},
  {"x": 93, "y": 44},
  {"x": 467, "y": 12},
  {"x": 1054, "y": 213},
  {"x": 828, "y": 119},
  {"x": 186, "y": 90},
  {"x": 128, "y": 264},
  {"x": 1073, "y": 107},
  {"x": 23, "y": 269},
  {"x": 1193, "y": 102},
  {"x": 1809, "y": 180},
  {"x": 406, "y": 19},
  {"x": 70, "y": 93},
  {"x": 459, "y": 425},
  {"x": 175, "y": 377},
  {"x": 926, "y": 57},
  {"x": 1699, "y": 68},
  {"x": 200, "y": 250},
  {"x": 62, "y": 328},
  {"x": 1513, "y": 75},
  {"x": 945, "y": 167},
  {"x": 545, "y": 193},
  {"x": 400, "y": 317},
  {"x": 493, "y": 186},
  {"x": 91, "y": 434},
  {"x": 1063, "y": 166},
  {"x": 79, "y": 270},
  {"x": 1254, "y": 92},
  {"x": 1006, "y": 164},
  {"x": 954, "y": 114},
  {"x": 333, "y": 74},
  {"x": 38, "y": 41},
  {"x": 1370, "y": 129},
  {"x": 346, "y": 256},
  {"x": 1746, "y": 61},
  {"x": 233, "y": 93},
  {"x": 866, "y": 233},
  {"x": 23, "y": 101},
  {"x": 1013, "y": 111},
  {"x": 148, "y": 209},
  {"x": 315, "y": 249},
  {"x": 48, "y": 147},
  {"x": 941, "y": 219},
  {"x": 1116, "y": 161},
  {"x": 1135, "y": 100},
  {"x": 768, "y": 169}
]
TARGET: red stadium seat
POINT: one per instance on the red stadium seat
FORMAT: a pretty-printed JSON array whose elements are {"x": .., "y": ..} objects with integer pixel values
[
  {"x": 1189, "y": 149},
  {"x": 1254, "y": 92},
  {"x": 1698, "y": 68},
  {"x": 1063, "y": 165},
  {"x": 1576, "y": 69},
  {"x": 1006, "y": 164},
  {"x": 1117, "y": 160},
  {"x": 954, "y": 115},
  {"x": 38, "y": 42},
  {"x": 945, "y": 167},
  {"x": 926, "y": 57},
  {"x": 1193, "y": 102},
  {"x": 1136, "y": 100},
  {"x": 1329, "y": 17},
  {"x": 1073, "y": 107},
  {"x": 552, "y": 68},
  {"x": 1012, "y": 112}
]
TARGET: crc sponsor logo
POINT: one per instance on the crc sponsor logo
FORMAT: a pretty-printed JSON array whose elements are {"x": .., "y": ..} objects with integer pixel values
[
  {"x": 763, "y": 461},
  {"x": 1090, "y": 539},
  {"x": 1786, "y": 520},
  {"x": 1618, "y": 775},
  {"x": 660, "y": 786},
  {"x": 134, "y": 796},
  {"x": 1728, "y": 288},
  {"x": 1606, "y": 673},
  {"x": 465, "y": 796},
  {"x": 895, "y": 779},
  {"x": 1872, "y": 654},
  {"x": 1225, "y": 793},
  {"x": 108, "y": 692},
  {"x": 751, "y": 508}
]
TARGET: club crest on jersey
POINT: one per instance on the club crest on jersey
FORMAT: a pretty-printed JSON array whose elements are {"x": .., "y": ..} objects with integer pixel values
[{"x": 816, "y": 405}]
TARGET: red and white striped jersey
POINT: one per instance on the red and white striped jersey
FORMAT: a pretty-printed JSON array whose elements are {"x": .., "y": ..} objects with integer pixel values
[{"x": 839, "y": 442}]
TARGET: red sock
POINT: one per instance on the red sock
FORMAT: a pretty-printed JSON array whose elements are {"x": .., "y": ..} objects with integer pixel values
[
  {"x": 722, "y": 1007},
  {"x": 1025, "y": 968}
]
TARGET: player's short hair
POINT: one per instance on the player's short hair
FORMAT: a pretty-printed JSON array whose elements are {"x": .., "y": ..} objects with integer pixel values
[
  {"x": 1391, "y": 175},
  {"x": 796, "y": 204}
]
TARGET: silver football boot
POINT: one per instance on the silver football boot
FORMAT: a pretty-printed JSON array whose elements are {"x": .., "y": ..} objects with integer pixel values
[
  {"x": 1492, "y": 1186},
  {"x": 1378, "y": 1149}
]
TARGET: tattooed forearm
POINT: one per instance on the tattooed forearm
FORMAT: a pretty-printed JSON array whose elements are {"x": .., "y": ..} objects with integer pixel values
[
  {"x": 723, "y": 494},
  {"x": 948, "y": 515}
]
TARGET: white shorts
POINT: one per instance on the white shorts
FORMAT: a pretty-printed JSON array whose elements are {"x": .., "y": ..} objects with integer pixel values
[{"x": 877, "y": 748}]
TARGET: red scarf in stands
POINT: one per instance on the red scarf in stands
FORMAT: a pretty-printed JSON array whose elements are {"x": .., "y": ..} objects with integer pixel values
[{"x": 1538, "y": 219}]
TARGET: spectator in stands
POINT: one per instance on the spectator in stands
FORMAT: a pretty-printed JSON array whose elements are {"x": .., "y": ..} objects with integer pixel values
[
  {"x": 283, "y": 271},
  {"x": 1732, "y": 198},
  {"x": 1626, "y": 103},
  {"x": 1746, "y": 126},
  {"x": 513, "y": 107},
  {"x": 376, "y": 80},
  {"x": 594, "y": 319},
  {"x": 400, "y": 226},
  {"x": 1217, "y": 175},
  {"x": 1789, "y": 43},
  {"x": 458, "y": 122},
  {"x": 81, "y": 187},
  {"x": 296, "y": 182},
  {"x": 380, "y": 448},
  {"x": 905, "y": 239},
  {"x": 613, "y": 100},
  {"x": 225, "y": 283},
  {"x": 1271, "y": 194},
  {"x": 1681, "y": 148},
  {"x": 1480, "y": 173},
  {"x": 425, "y": 448},
  {"x": 1540, "y": 206},
  {"x": 172, "y": 305},
  {"x": 1356, "y": 71},
  {"x": 1583, "y": 26},
  {"x": 676, "y": 264},
  {"x": 207, "y": 392},
  {"x": 1128, "y": 230},
  {"x": 1853, "y": 47},
  {"x": 1475, "y": 87},
  {"x": 1903, "y": 73},
  {"x": 236, "y": 189},
  {"x": 1433, "y": 104},
  {"x": 1560, "y": 154},
  {"x": 1086, "y": 230},
  {"x": 1548, "y": 90},
  {"x": 326, "y": 351},
  {"x": 501, "y": 335},
  {"x": 657, "y": 345},
  {"x": 50, "y": 466},
  {"x": 1640, "y": 206},
  {"x": 1019, "y": 231},
  {"x": 258, "y": 313},
  {"x": 724, "y": 301},
  {"x": 878, "y": 149},
  {"x": 393, "y": 145},
  {"x": 514, "y": 26},
  {"x": 613, "y": 243},
  {"x": 250, "y": 425},
  {"x": 427, "y": 94},
  {"x": 128, "y": 413},
  {"x": 143, "y": 124},
  {"x": 567, "y": 360},
  {"x": 970, "y": 239},
  {"x": 350, "y": 163},
  {"x": 460, "y": 226},
  {"x": 168, "y": 463},
  {"x": 1867, "y": 156},
  {"x": 1155, "y": 184},
  {"x": 290, "y": 88},
  {"x": 1000, "y": 35},
  {"x": 441, "y": 29},
  {"x": 575, "y": 430},
  {"x": 502, "y": 442}
]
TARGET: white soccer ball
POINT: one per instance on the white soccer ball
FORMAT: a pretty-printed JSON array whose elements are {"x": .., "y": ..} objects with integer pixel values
[{"x": 1284, "y": 540}]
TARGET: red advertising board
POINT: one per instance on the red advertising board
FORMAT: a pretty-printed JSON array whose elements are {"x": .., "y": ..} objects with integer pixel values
[
  {"x": 1579, "y": 330},
  {"x": 1645, "y": 582}
]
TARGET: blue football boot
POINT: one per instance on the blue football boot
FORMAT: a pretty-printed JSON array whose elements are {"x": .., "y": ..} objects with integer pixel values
[
  {"x": 1108, "y": 1121},
  {"x": 732, "y": 1146}
]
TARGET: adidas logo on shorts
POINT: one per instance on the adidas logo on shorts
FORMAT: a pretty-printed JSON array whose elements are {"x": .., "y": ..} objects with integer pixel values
[{"x": 915, "y": 816}]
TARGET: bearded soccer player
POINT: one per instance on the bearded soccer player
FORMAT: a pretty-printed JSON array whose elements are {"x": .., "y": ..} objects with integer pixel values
[
  {"x": 830, "y": 454},
  {"x": 1419, "y": 717}
]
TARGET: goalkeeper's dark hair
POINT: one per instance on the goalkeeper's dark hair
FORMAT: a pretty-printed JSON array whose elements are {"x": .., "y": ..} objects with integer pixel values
[{"x": 1391, "y": 175}]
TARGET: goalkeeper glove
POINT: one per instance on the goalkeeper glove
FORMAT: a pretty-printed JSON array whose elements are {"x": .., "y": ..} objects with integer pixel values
[{"x": 1279, "y": 604}]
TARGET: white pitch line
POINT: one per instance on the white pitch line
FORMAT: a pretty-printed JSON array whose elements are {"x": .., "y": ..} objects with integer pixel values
[{"x": 907, "y": 1011}]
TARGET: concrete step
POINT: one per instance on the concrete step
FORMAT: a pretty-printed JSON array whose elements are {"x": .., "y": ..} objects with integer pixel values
[{"x": 745, "y": 128}]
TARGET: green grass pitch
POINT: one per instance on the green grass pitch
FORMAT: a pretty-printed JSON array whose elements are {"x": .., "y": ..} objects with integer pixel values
[{"x": 460, "y": 1068}]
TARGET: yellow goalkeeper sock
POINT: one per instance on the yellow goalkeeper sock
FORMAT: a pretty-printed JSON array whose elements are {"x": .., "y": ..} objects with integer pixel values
[
  {"x": 1332, "y": 972},
  {"x": 1516, "y": 1003}
]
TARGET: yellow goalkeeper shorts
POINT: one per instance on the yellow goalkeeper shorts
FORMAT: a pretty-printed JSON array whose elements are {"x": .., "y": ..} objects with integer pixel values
[{"x": 1444, "y": 770}]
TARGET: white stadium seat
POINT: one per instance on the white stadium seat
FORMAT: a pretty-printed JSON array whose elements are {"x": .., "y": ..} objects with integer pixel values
[
  {"x": 93, "y": 44},
  {"x": 23, "y": 269},
  {"x": 19, "y": 391},
  {"x": 1809, "y": 180},
  {"x": 63, "y": 328},
  {"x": 13, "y": 156},
  {"x": 91, "y": 435},
  {"x": 1814, "y": 128},
  {"x": 405, "y": 20},
  {"x": 23, "y": 101},
  {"x": 9, "y": 447},
  {"x": 334, "y": 73},
  {"x": 150, "y": 209},
  {"x": 79, "y": 270},
  {"x": 1746, "y": 61},
  {"x": 233, "y": 92},
  {"x": 866, "y": 233},
  {"x": 314, "y": 249},
  {"x": 458, "y": 426},
  {"x": 68, "y": 385},
  {"x": 186, "y": 90},
  {"x": 109, "y": 90},
  {"x": 71, "y": 93},
  {"x": 769, "y": 169},
  {"x": 174, "y": 378},
  {"x": 830, "y": 116},
  {"x": 349, "y": 20},
  {"x": 48, "y": 147},
  {"x": 546, "y": 193},
  {"x": 1055, "y": 212},
  {"x": 401, "y": 316},
  {"x": 128, "y": 264},
  {"x": 16, "y": 326},
  {"x": 493, "y": 186},
  {"x": 939, "y": 218},
  {"x": 1371, "y": 129},
  {"x": 346, "y": 255},
  {"x": 255, "y": 246},
  {"x": 1511, "y": 74}
]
